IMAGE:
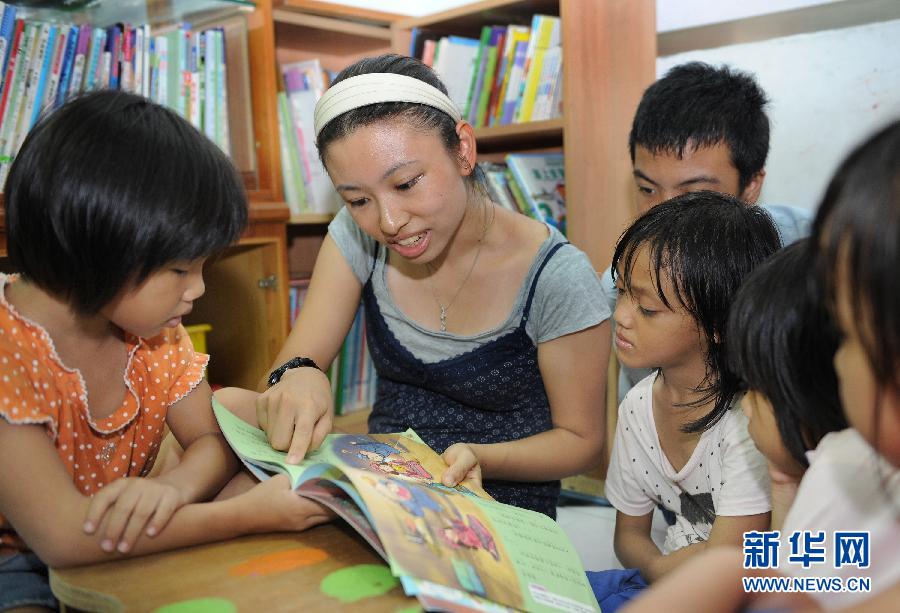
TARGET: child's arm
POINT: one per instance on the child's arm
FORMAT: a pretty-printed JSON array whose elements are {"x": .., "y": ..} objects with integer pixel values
[
  {"x": 633, "y": 545},
  {"x": 135, "y": 504},
  {"x": 635, "y": 548},
  {"x": 712, "y": 583},
  {"x": 725, "y": 531},
  {"x": 569, "y": 366},
  {"x": 38, "y": 498}
]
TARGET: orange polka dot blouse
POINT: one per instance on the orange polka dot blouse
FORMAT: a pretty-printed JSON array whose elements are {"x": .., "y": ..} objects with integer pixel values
[{"x": 37, "y": 388}]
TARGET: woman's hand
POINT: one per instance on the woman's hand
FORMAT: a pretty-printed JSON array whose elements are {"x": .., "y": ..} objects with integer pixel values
[
  {"x": 129, "y": 506},
  {"x": 297, "y": 412},
  {"x": 462, "y": 465}
]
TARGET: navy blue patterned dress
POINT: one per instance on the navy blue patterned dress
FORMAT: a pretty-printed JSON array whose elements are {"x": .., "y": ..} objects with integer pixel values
[{"x": 491, "y": 394}]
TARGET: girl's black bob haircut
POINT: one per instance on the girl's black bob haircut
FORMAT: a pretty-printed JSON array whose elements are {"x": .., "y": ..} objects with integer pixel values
[
  {"x": 858, "y": 227},
  {"x": 781, "y": 343},
  {"x": 706, "y": 243},
  {"x": 110, "y": 188}
]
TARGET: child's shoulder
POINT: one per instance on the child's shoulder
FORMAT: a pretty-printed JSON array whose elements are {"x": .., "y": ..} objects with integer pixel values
[
  {"x": 848, "y": 452},
  {"x": 639, "y": 399},
  {"x": 167, "y": 364}
]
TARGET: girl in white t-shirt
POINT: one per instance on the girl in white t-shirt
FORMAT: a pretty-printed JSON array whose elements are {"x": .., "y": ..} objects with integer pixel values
[
  {"x": 853, "y": 482},
  {"x": 679, "y": 444},
  {"x": 782, "y": 345}
]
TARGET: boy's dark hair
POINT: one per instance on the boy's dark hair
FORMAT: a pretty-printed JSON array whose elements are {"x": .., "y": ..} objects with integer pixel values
[
  {"x": 781, "y": 343},
  {"x": 698, "y": 105},
  {"x": 705, "y": 243},
  {"x": 858, "y": 226},
  {"x": 423, "y": 116},
  {"x": 110, "y": 188}
]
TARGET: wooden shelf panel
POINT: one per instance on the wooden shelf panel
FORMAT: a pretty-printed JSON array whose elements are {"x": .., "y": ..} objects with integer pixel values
[
  {"x": 310, "y": 219},
  {"x": 517, "y": 136},
  {"x": 339, "y": 11},
  {"x": 330, "y": 24},
  {"x": 469, "y": 19}
]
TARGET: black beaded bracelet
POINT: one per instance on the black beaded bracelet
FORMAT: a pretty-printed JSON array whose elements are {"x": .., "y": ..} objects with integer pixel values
[{"x": 297, "y": 362}]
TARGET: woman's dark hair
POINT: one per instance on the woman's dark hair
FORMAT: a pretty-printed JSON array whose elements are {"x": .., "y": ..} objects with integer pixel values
[
  {"x": 420, "y": 115},
  {"x": 858, "y": 227},
  {"x": 781, "y": 343},
  {"x": 699, "y": 105},
  {"x": 110, "y": 188},
  {"x": 706, "y": 243}
]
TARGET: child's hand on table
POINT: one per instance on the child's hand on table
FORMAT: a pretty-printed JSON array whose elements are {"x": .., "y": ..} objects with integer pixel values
[
  {"x": 276, "y": 507},
  {"x": 462, "y": 465},
  {"x": 129, "y": 506}
]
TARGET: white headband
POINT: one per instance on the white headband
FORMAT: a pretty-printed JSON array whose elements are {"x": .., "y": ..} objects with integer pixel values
[{"x": 372, "y": 88}]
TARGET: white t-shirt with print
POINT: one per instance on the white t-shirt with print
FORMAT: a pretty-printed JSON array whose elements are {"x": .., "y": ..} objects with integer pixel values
[
  {"x": 726, "y": 474},
  {"x": 848, "y": 487}
]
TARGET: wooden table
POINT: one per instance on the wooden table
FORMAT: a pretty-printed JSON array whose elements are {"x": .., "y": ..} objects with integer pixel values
[{"x": 326, "y": 568}]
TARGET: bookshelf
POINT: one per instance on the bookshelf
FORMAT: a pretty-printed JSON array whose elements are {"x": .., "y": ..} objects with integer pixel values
[{"x": 246, "y": 297}]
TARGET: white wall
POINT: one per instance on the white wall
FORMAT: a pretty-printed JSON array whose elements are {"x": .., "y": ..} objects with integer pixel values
[{"x": 828, "y": 91}]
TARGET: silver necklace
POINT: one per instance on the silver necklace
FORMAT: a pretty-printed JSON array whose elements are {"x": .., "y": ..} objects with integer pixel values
[{"x": 445, "y": 308}]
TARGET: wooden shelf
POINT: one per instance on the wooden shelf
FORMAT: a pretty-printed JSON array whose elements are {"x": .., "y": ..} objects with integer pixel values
[
  {"x": 310, "y": 219},
  {"x": 469, "y": 18},
  {"x": 339, "y": 11},
  {"x": 330, "y": 24},
  {"x": 517, "y": 136}
]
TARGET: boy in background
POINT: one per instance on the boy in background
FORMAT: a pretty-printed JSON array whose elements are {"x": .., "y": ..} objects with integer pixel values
[{"x": 701, "y": 127}]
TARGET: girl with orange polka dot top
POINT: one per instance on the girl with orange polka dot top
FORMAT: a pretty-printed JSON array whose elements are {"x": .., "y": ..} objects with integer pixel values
[{"x": 113, "y": 204}]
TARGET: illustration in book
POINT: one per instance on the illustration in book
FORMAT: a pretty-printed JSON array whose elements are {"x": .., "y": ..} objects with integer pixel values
[{"x": 456, "y": 549}]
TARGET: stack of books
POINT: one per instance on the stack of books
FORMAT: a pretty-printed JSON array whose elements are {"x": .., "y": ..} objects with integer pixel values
[
  {"x": 43, "y": 64},
  {"x": 512, "y": 74},
  {"x": 533, "y": 184},
  {"x": 307, "y": 187}
]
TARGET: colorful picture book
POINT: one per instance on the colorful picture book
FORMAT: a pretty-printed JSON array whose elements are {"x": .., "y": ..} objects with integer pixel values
[{"x": 455, "y": 549}]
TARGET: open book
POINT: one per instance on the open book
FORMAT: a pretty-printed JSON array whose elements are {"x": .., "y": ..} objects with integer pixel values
[{"x": 455, "y": 549}]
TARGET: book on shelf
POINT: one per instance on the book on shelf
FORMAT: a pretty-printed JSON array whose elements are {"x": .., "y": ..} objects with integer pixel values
[
  {"x": 455, "y": 549},
  {"x": 540, "y": 180},
  {"x": 43, "y": 64},
  {"x": 454, "y": 62},
  {"x": 545, "y": 35},
  {"x": 514, "y": 63},
  {"x": 304, "y": 84},
  {"x": 498, "y": 185},
  {"x": 356, "y": 382}
]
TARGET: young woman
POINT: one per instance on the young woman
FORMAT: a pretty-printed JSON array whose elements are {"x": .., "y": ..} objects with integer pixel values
[{"x": 482, "y": 323}]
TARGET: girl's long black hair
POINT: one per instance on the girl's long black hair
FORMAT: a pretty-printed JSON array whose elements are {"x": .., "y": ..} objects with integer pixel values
[
  {"x": 706, "y": 243},
  {"x": 781, "y": 343}
]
